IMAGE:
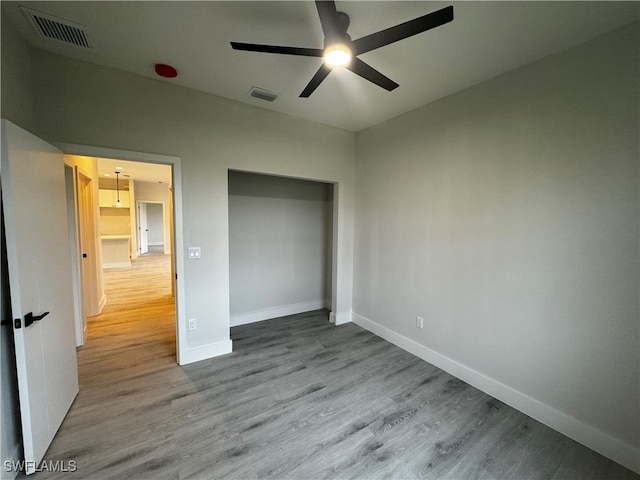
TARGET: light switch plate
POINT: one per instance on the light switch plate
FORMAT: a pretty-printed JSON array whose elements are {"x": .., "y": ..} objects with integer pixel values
[{"x": 193, "y": 253}]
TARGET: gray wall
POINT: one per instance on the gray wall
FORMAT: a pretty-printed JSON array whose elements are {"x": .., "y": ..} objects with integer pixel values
[
  {"x": 86, "y": 104},
  {"x": 508, "y": 217},
  {"x": 279, "y": 246},
  {"x": 16, "y": 77},
  {"x": 90, "y": 105}
]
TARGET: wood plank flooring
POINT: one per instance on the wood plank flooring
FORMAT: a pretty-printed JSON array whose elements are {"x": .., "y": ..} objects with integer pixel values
[{"x": 297, "y": 399}]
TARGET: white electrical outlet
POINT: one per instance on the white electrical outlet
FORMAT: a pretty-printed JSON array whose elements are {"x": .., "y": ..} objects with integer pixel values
[
  {"x": 192, "y": 324},
  {"x": 419, "y": 322}
]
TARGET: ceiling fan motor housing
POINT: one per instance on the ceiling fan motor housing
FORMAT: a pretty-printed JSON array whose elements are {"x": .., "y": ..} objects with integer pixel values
[{"x": 339, "y": 35}]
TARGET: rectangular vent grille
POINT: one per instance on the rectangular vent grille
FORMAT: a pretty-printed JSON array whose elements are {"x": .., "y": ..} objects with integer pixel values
[
  {"x": 263, "y": 94},
  {"x": 55, "y": 28}
]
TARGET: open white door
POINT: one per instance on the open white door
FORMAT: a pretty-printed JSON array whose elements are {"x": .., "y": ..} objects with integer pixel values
[
  {"x": 143, "y": 229},
  {"x": 39, "y": 261}
]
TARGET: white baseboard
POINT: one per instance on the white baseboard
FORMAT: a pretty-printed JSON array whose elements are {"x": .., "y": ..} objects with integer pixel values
[
  {"x": 342, "y": 318},
  {"x": 275, "y": 312},
  {"x": 204, "y": 352},
  {"x": 117, "y": 265},
  {"x": 591, "y": 437}
]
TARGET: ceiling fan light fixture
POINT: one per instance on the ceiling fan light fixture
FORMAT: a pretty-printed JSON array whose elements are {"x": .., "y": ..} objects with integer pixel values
[
  {"x": 337, "y": 55},
  {"x": 340, "y": 50}
]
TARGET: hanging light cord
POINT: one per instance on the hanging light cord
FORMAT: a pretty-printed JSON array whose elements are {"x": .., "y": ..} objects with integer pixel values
[{"x": 118, "y": 185}]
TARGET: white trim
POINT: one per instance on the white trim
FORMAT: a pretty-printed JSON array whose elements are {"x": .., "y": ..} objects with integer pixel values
[
  {"x": 70, "y": 173},
  {"x": 117, "y": 265},
  {"x": 342, "y": 318},
  {"x": 104, "y": 152},
  {"x": 275, "y": 312},
  {"x": 595, "y": 439},
  {"x": 101, "y": 304},
  {"x": 176, "y": 188},
  {"x": 204, "y": 352}
]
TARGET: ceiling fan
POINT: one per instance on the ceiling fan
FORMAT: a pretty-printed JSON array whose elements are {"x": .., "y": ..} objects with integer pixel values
[{"x": 340, "y": 50}]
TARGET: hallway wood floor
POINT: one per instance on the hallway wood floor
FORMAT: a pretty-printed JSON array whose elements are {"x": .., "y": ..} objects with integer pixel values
[{"x": 298, "y": 398}]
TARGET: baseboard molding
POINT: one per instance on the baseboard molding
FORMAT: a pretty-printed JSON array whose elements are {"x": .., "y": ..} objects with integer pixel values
[
  {"x": 275, "y": 312},
  {"x": 117, "y": 265},
  {"x": 204, "y": 352},
  {"x": 342, "y": 318},
  {"x": 591, "y": 437}
]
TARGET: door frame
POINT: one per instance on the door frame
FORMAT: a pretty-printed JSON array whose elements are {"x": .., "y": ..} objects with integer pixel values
[
  {"x": 73, "y": 214},
  {"x": 139, "y": 243},
  {"x": 182, "y": 348},
  {"x": 93, "y": 301}
]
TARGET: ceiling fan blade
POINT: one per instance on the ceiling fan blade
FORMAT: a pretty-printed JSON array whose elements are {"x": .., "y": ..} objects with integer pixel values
[
  {"x": 317, "y": 79},
  {"x": 403, "y": 30},
  {"x": 367, "y": 72},
  {"x": 253, "y": 47},
  {"x": 328, "y": 17}
]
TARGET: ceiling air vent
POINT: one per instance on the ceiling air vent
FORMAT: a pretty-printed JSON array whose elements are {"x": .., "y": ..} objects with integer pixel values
[
  {"x": 56, "y": 28},
  {"x": 263, "y": 94}
]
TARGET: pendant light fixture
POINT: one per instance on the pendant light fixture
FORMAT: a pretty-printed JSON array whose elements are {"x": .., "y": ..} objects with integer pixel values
[{"x": 118, "y": 204}]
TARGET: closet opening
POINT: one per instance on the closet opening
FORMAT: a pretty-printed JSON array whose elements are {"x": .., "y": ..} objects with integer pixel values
[{"x": 280, "y": 246}]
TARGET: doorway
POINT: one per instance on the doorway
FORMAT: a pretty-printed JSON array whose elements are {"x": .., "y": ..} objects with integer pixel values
[
  {"x": 132, "y": 196},
  {"x": 172, "y": 223},
  {"x": 152, "y": 228}
]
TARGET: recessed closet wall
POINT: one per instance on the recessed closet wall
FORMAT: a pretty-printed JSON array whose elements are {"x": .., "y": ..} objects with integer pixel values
[{"x": 280, "y": 232}]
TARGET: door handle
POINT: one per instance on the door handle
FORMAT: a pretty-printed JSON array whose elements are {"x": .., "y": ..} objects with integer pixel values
[{"x": 29, "y": 318}]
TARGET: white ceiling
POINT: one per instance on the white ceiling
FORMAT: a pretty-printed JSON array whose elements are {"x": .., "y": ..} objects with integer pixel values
[
  {"x": 141, "y": 172},
  {"x": 484, "y": 40}
]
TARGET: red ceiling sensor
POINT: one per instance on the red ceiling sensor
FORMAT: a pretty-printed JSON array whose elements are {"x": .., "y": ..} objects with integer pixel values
[{"x": 166, "y": 71}]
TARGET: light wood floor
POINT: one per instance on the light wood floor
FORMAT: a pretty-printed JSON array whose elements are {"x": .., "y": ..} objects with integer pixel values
[{"x": 297, "y": 399}]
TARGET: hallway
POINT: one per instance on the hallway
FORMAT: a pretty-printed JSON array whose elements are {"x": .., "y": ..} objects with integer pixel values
[{"x": 139, "y": 310}]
